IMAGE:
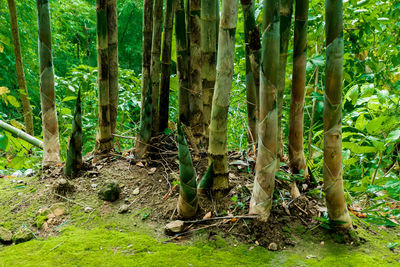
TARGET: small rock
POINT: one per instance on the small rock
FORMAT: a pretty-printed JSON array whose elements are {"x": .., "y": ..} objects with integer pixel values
[
  {"x": 310, "y": 257},
  {"x": 5, "y": 236},
  {"x": 93, "y": 179},
  {"x": 23, "y": 235},
  {"x": 88, "y": 209},
  {"x": 110, "y": 191},
  {"x": 59, "y": 211},
  {"x": 273, "y": 246},
  {"x": 136, "y": 191},
  {"x": 17, "y": 174},
  {"x": 20, "y": 182},
  {"x": 257, "y": 243},
  {"x": 123, "y": 209},
  {"x": 175, "y": 227},
  {"x": 94, "y": 186},
  {"x": 62, "y": 187},
  {"x": 322, "y": 243},
  {"x": 29, "y": 172}
]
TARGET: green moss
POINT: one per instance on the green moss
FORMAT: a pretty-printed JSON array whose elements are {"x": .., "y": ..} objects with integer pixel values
[{"x": 40, "y": 220}]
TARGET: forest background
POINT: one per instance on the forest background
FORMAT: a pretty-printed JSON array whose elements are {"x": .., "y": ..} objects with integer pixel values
[{"x": 371, "y": 94}]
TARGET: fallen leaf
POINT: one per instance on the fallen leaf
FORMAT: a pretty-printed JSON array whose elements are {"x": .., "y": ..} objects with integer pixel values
[
  {"x": 152, "y": 171},
  {"x": 140, "y": 164},
  {"x": 208, "y": 215}
]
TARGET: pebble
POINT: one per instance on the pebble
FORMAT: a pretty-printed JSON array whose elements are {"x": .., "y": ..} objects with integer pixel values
[
  {"x": 273, "y": 246},
  {"x": 123, "y": 209},
  {"x": 175, "y": 227},
  {"x": 136, "y": 191},
  {"x": 29, "y": 172},
  {"x": 94, "y": 185},
  {"x": 88, "y": 209}
]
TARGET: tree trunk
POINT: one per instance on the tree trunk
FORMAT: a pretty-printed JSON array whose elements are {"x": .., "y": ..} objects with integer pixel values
[
  {"x": 112, "y": 26},
  {"x": 104, "y": 142},
  {"x": 209, "y": 56},
  {"x": 252, "y": 50},
  {"x": 166, "y": 64},
  {"x": 223, "y": 86},
  {"x": 286, "y": 11},
  {"x": 23, "y": 92},
  {"x": 144, "y": 133},
  {"x": 155, "y": 62},
  {"x": 51, "y": 153},
  {"x": 261, "y": 199},
  {"x": 297, "y": 160},
  {"x": 333, "y": 182},
  {"x": 195, "y": 87},
  {"x": 182, "y": 62}
]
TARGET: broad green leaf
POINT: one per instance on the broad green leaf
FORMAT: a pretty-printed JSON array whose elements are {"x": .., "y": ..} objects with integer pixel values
[
  {"x": 69, "y": 98},
  {"x": 361, "y": 122},
  {"x": 393, "y": 136},
  {"x": 352, "y": 94},
  {"x": 3, "y": 142},
  {"x": 13, "y": 101},
  {"x": 375, "y": 126},
  {"x": 367, "y": 90}
]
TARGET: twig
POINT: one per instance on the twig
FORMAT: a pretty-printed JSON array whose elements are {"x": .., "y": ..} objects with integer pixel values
[
  {"x": 125, "y": 137},
  {"x": 190, "y": 231},
  {"x": 57, "y": 246},
  {"x": 225, "y": 218},
  {"x": 70, "y": 200},
  {"x": 24, "y": 225}
]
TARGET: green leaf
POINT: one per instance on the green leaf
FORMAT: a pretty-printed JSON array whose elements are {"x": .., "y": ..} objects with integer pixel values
[
  {"x": 375, "y": 126},
  {"x": 13, "y": 101},
  {"x": 3, "y": 142},
  {"x": 69, "y": 98},
  {"x": 352, "y": 94},
  {"x": 393, "y": 136},
  {"x": 361, "y": 122}
]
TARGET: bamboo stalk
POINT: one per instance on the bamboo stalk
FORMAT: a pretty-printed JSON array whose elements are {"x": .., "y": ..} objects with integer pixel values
[{"x": 21, "y": 134}]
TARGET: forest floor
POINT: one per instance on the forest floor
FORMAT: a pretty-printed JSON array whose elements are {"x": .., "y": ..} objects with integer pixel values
[{"x": 74, "y": 227}]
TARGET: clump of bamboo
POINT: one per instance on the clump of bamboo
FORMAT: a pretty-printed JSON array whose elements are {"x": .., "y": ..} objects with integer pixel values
[
  {"x": 187, "y": 201},
  {"x": 73, "y": 162}
]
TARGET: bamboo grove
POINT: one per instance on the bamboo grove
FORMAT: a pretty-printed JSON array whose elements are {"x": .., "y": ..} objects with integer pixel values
[{"x": 204, "y": 34}]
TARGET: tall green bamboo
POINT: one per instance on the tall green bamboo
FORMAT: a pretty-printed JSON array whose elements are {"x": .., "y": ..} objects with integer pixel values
[
  {"x": 195, "y": 82},
  {"x": 252, "y": 50},
  {"x": 223, "y": 86},
  {"x": 187, "y": 201},
  {"x": 51, "y": 152},
  {"x": 264, "y": 183},
  {"x": 182, "y": 62},
  {"x": 144, "y": 134},
  {"x": 73, "y": 163},
  {"x": 297, "y": 160},
  {"x": 286, "y": 11},
  {"x": 155, "y": 62},
  {"x": 112, "y": 27},
  {"x": 333, "y": 182},
  {"x": 209, "y": 56},
  {"x": 23, "y": 92},
  {"x": 166, "y": 64},
  {"x": 104, "y": 142}
]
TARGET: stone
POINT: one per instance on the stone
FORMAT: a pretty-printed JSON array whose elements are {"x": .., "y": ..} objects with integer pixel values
[
  {"x": 5, "y": 236},
  {"x": 175, "y": 227},
  {"x": 23, "y": 235},
  {"x": 123, "y": 209},
  {"x": 62, "y": 187},
  {"x": 17, "y": 174},
  {"x": 94, "y": 186},
  {"x": 273, "y": 246},
  {"x": 136, "y": 191},
  {"x": 59, "y": 211},
  {"x": 29, "y": 172},
  {"x": 110, "y": 191},
  {"x": 88, "y": 209}
]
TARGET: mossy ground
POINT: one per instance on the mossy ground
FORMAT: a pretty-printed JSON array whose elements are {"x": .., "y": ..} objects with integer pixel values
[{"x": 106, "y": 238}]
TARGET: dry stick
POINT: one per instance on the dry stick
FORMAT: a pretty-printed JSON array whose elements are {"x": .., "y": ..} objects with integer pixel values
[
  {"x": 57, "y": 246},
  {"x": 70, "y": 200},
  {"x": 225, "y": 218},
  {"x": 190, "y": 231},
  {"x": 125, "y": 137}
]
